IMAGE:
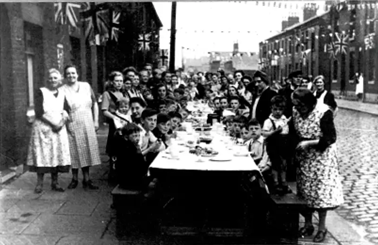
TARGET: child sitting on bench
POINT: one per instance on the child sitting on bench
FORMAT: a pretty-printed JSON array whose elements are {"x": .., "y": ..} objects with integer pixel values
[{"x": 130, "y": 165}]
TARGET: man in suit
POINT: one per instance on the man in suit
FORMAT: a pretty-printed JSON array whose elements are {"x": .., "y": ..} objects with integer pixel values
[
  {"x": 293, "y": 82},
  {"x": 261, "y": 105}
]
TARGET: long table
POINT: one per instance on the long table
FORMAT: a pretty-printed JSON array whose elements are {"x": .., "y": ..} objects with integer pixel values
[{"x": 204, "y": 193}]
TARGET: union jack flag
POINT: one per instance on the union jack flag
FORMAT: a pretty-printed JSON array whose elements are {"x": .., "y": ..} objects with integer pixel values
[
  {"x": 116, "y": 16},
  {"x": 369, "y": 41},
  {"x": 144, "y": 42},
  {"x": 341, "y": 43},
  {"x": 67, "y": 13},
  {"x": 96, "y": 22},
  {"x": 331, "y": 50}
]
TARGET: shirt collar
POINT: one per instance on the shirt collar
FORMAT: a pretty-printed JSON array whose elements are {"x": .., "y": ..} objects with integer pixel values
[
  {"x": 275, "y": 119},
  {"x": 260, "y": 140}
]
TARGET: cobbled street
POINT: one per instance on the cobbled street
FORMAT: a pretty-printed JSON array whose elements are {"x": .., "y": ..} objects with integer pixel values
[{"x": 358, "y": 158}]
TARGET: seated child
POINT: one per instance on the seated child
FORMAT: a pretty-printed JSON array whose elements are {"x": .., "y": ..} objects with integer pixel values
[
  {"x": 172, "y": 106},
  {"x": 122, "y": 114},
  {"x": 276, "y": 131},
  {"x": 149, "y": 144},
  {"x": 224, "y": 103},
  {"x": 237, "y": 107},
  {"x": 228, "y": 122},
  {"x": 184, "y": 113},
  {"x": 209, "y": 95},
  {"x": 161, "y": 106},
  {"x": 216, "y": 104},
  {"x": 183, "y": 102},
  {"x": 176, "y": 120},
  {"x": 245, "y": 134},
  {"x": 178, "y": 93},
  {"x": 238, "y": 123},
  {"x": 256, "y": 146},
  {"x": 130, "y": 165},
  {"x": 162, "y": 129},
  {"x": 148, "y": 98}
]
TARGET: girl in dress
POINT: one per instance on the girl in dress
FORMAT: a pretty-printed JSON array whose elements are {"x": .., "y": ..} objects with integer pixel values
[{"x": 49, "y": 147}]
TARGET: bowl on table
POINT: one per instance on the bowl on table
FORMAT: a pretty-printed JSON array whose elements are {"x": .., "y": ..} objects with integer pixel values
[{"x": 206, "y": 139}]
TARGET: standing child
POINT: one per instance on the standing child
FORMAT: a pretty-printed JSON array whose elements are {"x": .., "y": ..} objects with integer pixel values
[{"x": 276, "y": 131}]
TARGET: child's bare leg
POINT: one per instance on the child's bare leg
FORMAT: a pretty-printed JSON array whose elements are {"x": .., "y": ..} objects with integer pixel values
[
  {"x": 275, "y": 177},
  {"x": 283, "y": 172}
]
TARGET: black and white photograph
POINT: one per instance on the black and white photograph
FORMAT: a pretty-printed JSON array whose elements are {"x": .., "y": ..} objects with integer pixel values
[{"x": 189, "y": 122}]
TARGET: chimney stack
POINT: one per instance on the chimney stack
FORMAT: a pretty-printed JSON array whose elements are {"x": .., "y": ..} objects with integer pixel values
[
  {"x": 292, "y": 20},
  {"x": 309, "y": 11},
  {"x": 284, "y": 25}
]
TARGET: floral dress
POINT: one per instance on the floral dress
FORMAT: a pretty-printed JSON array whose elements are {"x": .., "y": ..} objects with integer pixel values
[
  {"x": 318, "y": 178},
  {"x": 48, "y": 150},
  {"x": 81, "y": 130}
]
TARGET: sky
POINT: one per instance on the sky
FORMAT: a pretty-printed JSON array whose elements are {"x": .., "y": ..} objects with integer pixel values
[{"x": 203, "y": 27}]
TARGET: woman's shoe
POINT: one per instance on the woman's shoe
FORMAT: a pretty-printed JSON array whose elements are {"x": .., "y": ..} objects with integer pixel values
[
  {"x": 320, "y": 236},
  {"x": 306, "y": 231},
  {"x": 88, "y": 184},
  {"x": 38, "y": 189},
  {"x": 73, "y": 184},
  {"x": 56, "y": 187}
]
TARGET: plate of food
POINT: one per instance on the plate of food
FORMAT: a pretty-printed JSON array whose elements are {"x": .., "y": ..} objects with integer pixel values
[
  {"x": 241, "y": 154},
  {"x": 203, "y": 151},
  {"x": 205, "y": 139},
  {"x": 221, "y": 159}
]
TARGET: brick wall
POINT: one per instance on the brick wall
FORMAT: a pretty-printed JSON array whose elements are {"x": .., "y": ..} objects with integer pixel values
[{"x": 17, "y": 130}]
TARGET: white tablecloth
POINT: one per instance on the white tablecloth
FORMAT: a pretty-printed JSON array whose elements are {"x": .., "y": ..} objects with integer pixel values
[
  {"x": 184, "y": 160},
  {"x": 188, "y": 161}
]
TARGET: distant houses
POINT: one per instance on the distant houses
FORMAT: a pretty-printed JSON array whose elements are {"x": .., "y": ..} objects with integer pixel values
[{"x": 337, "y": 44}]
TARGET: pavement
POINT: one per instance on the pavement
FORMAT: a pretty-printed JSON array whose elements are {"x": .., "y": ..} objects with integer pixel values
[
  {"x": 85, "y": 217},
  {"x": 358, "y": 106}
]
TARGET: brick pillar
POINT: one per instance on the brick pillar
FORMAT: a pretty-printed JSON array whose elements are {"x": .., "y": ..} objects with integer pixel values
[
  {"x": 49, "y": 38},
  {"x": 18, "y": 88}
]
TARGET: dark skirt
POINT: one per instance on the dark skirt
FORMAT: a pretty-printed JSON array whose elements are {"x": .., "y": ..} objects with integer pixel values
[
  {"x": 111, "y": 132},
  {"x": 46, "y": 170}
]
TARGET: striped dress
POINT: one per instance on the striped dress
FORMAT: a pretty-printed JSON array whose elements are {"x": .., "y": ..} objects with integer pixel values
[{"x": 81, "y": 130}]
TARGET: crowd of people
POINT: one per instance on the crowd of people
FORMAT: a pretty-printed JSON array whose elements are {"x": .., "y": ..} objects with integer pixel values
[{"x": 287, "y": 128}]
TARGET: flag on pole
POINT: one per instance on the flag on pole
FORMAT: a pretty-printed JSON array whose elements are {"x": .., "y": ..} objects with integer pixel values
[
  {"x": 144, "y": 42},
  {"x": 115, "y": 25},
  {"x": 341, "y": 43},
  {"x": 331, "y": 50},
  {"x": 96, "y": 22},
  {"x": 67, "y": 13},
  {"x": 369, "y": 41}
]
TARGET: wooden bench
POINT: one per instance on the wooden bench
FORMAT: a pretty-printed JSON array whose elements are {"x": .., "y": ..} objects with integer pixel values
[
  {"x": 129, "y": 215},
  {"x": 283, "y": 219},
  {"x": 125, "y": 198}
]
